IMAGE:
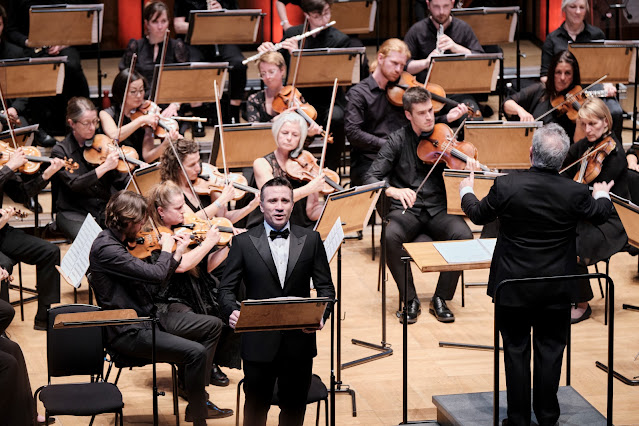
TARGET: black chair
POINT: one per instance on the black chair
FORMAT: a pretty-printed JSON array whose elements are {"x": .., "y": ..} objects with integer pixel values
[
  {"x": 316, "y": 393},
  {"x": 72, "y": 352}
]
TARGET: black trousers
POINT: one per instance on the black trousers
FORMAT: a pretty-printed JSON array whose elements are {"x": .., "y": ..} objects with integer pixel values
[
  {"x": 333, "y": 150},
  {"x": 406, "y": 228},
  {"x": 550, "y": 331},
  {"x": 189, "y": 340},
  {"x": 230, "y": 53},
  {"x": 16, "y": 246},
  {"x": 360, "y": 164},
  {"x": 293, "y": 379}
]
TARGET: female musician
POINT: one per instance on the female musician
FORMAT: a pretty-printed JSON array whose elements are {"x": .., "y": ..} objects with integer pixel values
[
  {"x": 535, "y": 100},
  {"x": 189, "y": 156},
  {"x": 87, "y": 189},
  {"x": 596, "y": 243},
  {"x": 137, "y": 132},
  {"x": 289, "y": 131},
  {"x": 149, "y": 48}
]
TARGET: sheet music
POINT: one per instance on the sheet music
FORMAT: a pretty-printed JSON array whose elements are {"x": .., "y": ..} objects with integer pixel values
[
  {"x": 467, "y": 251},
  {"x": 334, "y": 239},
  {"x": 76, "y": 262}
]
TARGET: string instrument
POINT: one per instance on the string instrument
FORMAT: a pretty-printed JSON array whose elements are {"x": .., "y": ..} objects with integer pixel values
[
  {"x": 34, "y": 159},
  {"x": 199, "y": 227},
  {"x": 395, "y": 91},
  {"x": 165, "y": 124},
  {"x": 441, "y": 145},
  {"x": 305, "y": 168},
  {"x": 98, "y": 149},
  {"x": 211, "y": 179},
  {"x": 286, "y": 99},
  {"x": 592, "y": 160},
  {"x": 571, "y": 102}
]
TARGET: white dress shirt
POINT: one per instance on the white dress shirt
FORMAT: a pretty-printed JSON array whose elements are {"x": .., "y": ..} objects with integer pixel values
[{"x": 279, "y": 251}]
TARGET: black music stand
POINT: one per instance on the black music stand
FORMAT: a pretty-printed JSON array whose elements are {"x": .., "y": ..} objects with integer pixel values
[
  {"x": 173, "y": 89},
  {"x": 320, "y": 67},
  {"x": 239, "y": 26}
]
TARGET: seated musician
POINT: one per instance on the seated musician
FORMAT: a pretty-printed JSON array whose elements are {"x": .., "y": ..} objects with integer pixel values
[
  {"x": 188, "y": 156},
  {"x": 17, "y": 246},
  {"x": 318, "y": 14},
  {"x": 425, "y": 213},
  {"x": 193, "y": 287},
  {"x": 370, "y": 116},
  {"x": 87, "y": 189},
  {"x": 135, "y": 132},
  {"x": 149, "y": 48},
  {"x": 122, "y": 281},
  {"x": 576, "y": 29},
  {"x": 597, "y": 243},
  {"x": 230, "y": 53}
]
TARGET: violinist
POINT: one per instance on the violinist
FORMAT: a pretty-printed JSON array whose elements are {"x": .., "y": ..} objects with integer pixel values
[
  {"x": 88, "y": 189},
  {"x": 425, "y": 218},
  {"x": 136, "y": 132},
  {"x": 597, "y": 243}
]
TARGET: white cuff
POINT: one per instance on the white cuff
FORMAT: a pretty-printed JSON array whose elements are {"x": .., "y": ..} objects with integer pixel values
[
  {"x": 601, "y": 194},
  {"x": 465, "y": 190}
]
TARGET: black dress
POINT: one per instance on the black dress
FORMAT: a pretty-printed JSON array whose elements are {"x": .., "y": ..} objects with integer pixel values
[{"x": 136, "y": 140}]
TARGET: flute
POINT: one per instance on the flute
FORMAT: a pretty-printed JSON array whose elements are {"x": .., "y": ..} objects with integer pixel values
[{"x": 278, "y": 46}]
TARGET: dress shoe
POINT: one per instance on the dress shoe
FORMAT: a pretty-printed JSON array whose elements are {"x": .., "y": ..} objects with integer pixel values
[
  {"x": 414, "y": 309},
  {"x": 40, "y": 324},
  {"x": 44, "y": 139},
  {"x": 218, "y": 378},
  {"x": 32, "y": 205},
  {"x": 198, "y": 130},
  {"x": 44, "y": 422},
  {"x": 439, "y": 309},
  {"x": 584, "y": 316},
  {"x": 212, "y": 412}
]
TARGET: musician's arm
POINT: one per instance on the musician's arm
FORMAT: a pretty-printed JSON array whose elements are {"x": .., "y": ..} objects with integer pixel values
[
  {"x": 180, "y": 25},
  {"x": 150, "y": 151},
  {"x": 110, "y": 127}
]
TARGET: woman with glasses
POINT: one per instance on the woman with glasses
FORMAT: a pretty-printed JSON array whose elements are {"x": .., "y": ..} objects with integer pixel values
[{"x": 87, "y": 189}]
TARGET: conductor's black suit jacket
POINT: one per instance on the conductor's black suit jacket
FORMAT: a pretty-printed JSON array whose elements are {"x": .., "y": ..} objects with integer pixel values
[
  {"x": 538, "y": 212},
  {"x": 250, "y": 260}
]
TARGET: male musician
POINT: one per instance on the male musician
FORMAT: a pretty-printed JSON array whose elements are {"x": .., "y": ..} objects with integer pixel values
[
  {"x": 122, "y": 281},
  {"x": 276, "y": 259},
  {"x": 16, "y": 246},
  {"x": 538, "y": 210},
  {"x": 370, "y": 117},
  {"x": 416, "y": 215}
]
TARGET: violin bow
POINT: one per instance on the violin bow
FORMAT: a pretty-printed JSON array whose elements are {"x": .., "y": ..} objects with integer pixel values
[
  {"x": 218, "y": 110},
  {"x": 165, "y": 44},
  {"x": 569, "y": 99},
  {"x": 11, "y": 131},
  {"x": 297, "y": 64},
  {"x": 586, "y": 155},
  {"x": 328, "y": 126},
  {"x": 448, "y": 142}
]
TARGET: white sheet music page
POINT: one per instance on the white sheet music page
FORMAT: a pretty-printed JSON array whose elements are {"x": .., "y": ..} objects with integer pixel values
[
  {"x": 76, "y": 262},
  {"x": 334, "y": 239},
  {"x": 466, "y": 251}
]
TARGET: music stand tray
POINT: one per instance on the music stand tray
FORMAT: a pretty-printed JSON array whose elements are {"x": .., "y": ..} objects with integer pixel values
[
  {"x": 172, "y": 87},
  {"x": 616, "y": 58},
  {"x": 491, "y": 25},
  {"x": 483, "y": 182},
  {"x": 224, "y": 26},
  {"x": 502, "y": 144},
  {"x": 146, "y": 178},
  {"x": 281, "y": 313},
  {"x": 354, "y": 16},
  {"x": 629, "y": 214},
  {"x": 320, "y": 67},
  {"x": 243, "y": 143},
  {"x": 65, "y": 24},
  {"x": 23, "y": 135},
  {"x": 474, "y": 73},
  {"x": 32, "y": 77}
]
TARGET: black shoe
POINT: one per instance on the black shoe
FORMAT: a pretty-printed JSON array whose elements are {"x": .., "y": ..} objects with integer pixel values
[
  {"x": 587, "y": 313},
  {"x": 44, "y": 423},
  {"x": 44, "y": 139},
  {"x": 414, "y": 309},
  {"x": 212, "y": 412},
  {"x": 439, "y": 309},
  {"x": 40, "y": 324},
  {"x": 32, "y": 205},
  {"x": 198, "y": 130},
  {"x": 486, "y": 110},
  {"x": 218, "y": 378}
]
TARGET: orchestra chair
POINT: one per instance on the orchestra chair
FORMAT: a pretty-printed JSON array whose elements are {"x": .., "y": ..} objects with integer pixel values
[
  {"x": 316, "y": 393},
  {"x": 73, "y": 352}
]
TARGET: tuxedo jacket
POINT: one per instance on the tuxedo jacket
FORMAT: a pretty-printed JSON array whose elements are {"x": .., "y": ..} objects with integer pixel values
[
  {"x": 250, "y": 261},
  {"x": 538, "y": 212}
]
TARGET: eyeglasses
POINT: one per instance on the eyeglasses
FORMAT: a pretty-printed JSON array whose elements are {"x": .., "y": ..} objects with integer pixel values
[
  {"x": 136, "y": 92},
  {"x": 95, "y": 123},
  {"x": 269, "y": 73}
]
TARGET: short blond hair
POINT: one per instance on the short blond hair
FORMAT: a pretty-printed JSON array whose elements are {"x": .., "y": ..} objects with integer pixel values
[
  {"x": 595, "y": 108},
  {"x": 273, "y": 58}
]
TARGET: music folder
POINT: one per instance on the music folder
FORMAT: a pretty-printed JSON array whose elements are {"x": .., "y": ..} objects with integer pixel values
[{"x": 281, "y": 313}]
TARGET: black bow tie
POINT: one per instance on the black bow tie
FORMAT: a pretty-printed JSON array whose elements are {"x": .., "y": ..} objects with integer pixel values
[{"x": 279, "y": 234}]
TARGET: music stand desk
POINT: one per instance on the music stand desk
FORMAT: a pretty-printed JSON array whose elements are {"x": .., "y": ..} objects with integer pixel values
[
  {"x": 281, "y": 313},
  {"x": 320, "y": 67},
  {"x": 472, "y": 73},
  {"x": 173, "y": 86},
  {"x": 428, "y": 259},
  {"x": 31, "y": 77},
  {"x": 491, "y": 25},
  {"x": 354, "y": 16},
  {"x": 224, "y": 26}
]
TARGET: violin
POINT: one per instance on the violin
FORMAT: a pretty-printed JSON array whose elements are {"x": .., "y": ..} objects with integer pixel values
[
  {"x": 96, "y": 151},
  {"x": 285, "y": 99},
  {"x": 570, "y": 103},
  {"x": 395, "y": 91},
  {"x": 592, "y": 160},
  {"x": 34, "y": 159},
  {"x": 200, "y": 227},
  {"x": 454, "y": 154},
  {"x": 304, "y": 167},
  {"x": 212, "y": 180},
  {"x": 164, "y": 126}
]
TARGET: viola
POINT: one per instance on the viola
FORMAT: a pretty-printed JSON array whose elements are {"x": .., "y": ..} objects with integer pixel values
[
  {"x": 285, "y": 99},
  {"x": 592, "y": 160},
  {"x": 199, "y": 227},
  {"x": 34, "y": 159},
  {"x": 454, "y": 154},
  {"x": 304, "y": 167},
  {"x": 212, "y": 180},
  {"x": 570, "y": 103},
  {"x": 164, "y": 126},
  {"x": 98, "y": 149}
]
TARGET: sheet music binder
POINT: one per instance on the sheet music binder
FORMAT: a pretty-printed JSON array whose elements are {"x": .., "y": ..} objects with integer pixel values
[{"x": 287, "y": 313}]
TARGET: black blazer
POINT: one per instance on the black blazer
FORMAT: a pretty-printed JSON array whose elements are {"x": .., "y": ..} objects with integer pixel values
[
  {"x": 538, "y": 212},
  {"x": 250, "y": 260}
]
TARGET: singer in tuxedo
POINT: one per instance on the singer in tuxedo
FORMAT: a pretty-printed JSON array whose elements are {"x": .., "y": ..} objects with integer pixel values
[
  {"x": 538, "y": 211},
  {"x": 276, "y": 259}
]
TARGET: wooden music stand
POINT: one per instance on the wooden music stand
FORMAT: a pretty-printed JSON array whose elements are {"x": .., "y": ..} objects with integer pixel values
[
  {"x": 281, "y": 313},
  {"x": 320, "y": 67},
  {"x": 428, "y": 258},
  {"x": 243, "y": 143},
  {"x": 616, "y": 58},
  {"x": 354, "y": 16},
  {"x": 474, "y": 73},
  {"x": 502, "y": 144},
  {"x": 224, "y": 26},
  {"x": 491, "y": 25},
  {"x": 173, "y": 87},
  {"x": 65, "y": 24},
  {"x": 32, "y": 77},
  {"x": 146, "y": 178},
  {"x": 629, "y": 214},
  {"x": 23, "y": 135},
  {"x": 483, "y": 182}
]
